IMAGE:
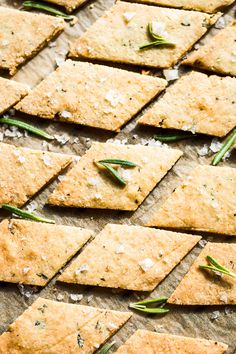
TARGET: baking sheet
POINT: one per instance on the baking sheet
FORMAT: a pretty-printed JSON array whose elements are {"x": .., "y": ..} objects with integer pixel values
[{"x": 215, "y": 322}]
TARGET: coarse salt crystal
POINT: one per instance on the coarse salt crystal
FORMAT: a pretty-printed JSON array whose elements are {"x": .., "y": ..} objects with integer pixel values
[
  {"x": 220, "y": 23},
  {"x": 216, "y": 145},
  {"x": 76, "y": 297},
  {"x": 202, "y": 243},
  {"x": 171, "y": 74},
  {"x": 113, "y": 97},
  {"x": 158, "y": 28},
  {"x": 32, "y": 206},
  {"x": 47, "y": 160},
  {"x": 128, "y": 16},
  {"x": 62, "y": 139},
  {"x": 112, "y": 325},
  {"x": 60, "y": 297},
  {"x": 224, "y": 298},
  {"x": 120, "y": 248},
  {"x": 82, "y": 269},
  {"x": 65, "y": 114},
  {"x": 21, "y": 159},
  {"x": 93, "y": 181},
  {"x": 146, "y": 264},
  {"x": 214, "y": 315},
  {"x": 203, "y": 151},
  {"x": 98, "y": 196},
  {"x": 26, "y": 270}
]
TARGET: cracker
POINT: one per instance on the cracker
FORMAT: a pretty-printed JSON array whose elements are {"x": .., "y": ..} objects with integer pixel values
[
  {"x": 199, "y": 5},
  {"x": 11, "y": 92},
  {"x": 164, "y": 343},
  {"x": 204, "y": 287},
  {"x": 88, "y": 186},
  {"x": 23, "y": 34},
  {"x": 94, "y": 95},
  {"x": 70, "y": 5},
  {"x": 198, "y": 103},
  {"x": 113, "y": 38},
  {"x": 25, "y": 171},
  {"x": 25, "y": 259},
  {"x": 125, "y": 262},
  {"x": 54, "y": 327},
  {"x": 205, "y": 201},
  {"x": 219, "y": 54}
]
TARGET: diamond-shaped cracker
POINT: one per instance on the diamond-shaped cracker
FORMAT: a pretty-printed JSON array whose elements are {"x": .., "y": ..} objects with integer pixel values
[
  {"x": 24, "y": 257},
  {"x": 54, "y": 327},
  {"x": 87, "y": 185},
  {"x": 23, "y": 34},
  {"x": 204, "y": 287},
  {"x": 196, "y": 102},
  {"x": 25, "y": 171},
  {"x": 125, "y": 262},
  {"x": 114, "y": 38},
  {"x": 11, "y": 92},
  {"x": 70, "y": 5},
  {"x": 200, "y": 5},
  {"x": 205, "y": 201},
  {"x": 94, "y": 95},
  {"x": 147, "y": 342},
  {"x": 219, "y": 54}
]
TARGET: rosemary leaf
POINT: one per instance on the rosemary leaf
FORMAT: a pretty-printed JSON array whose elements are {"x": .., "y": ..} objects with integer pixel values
[
  {"x": 25, "y": 214},
  {"x": 172, "y": 137},
  {"x": 119, "y": 162},
  {"x": 28, "y": 127},
  {"x": 105, "y": 349},
  {"x": 156, "y": 39},
  {"x": 141, "y": 305},
  {"x": 229, "y": 142},
  {"x": 47, "y": 8},
  {"x": 114, "y": 173},
  {"x": 157, "y": 300},
  {"x": 215, "y": 266}
]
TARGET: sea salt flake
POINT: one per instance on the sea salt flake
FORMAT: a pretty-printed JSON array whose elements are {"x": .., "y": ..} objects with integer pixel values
[
  {"x": 203, "y": 151},
  {"x": 128, "y": 16},
  {"x": 171, "y": 74},
  {"x": 65, "y": 114},
  {"x": 60, "y": 297},
  {"x": 158, "y": 28},
  {"x": 202, "y": 243},
  {"x": 76, "y": 297},
  {"x": 32, "y": 206},
  {"x": 93, "y": 181},
  {"x": 120, "y": 248},
  {"x": 47, "y": 161},
  {"x": 26, "y": 270},
  {"x": 146, "y": 264},
  {"x": 62, "y": 139},
  {"x": 21, "y": 159},
  {"x": 113, "y": 98},
  {"x": 112, "y": 325},
  {"x": 214, "y": 315},
  {"x": 216, "y": 145},
  {"x": 220, "y": 23},
  {"x": 224, "y": 297}
]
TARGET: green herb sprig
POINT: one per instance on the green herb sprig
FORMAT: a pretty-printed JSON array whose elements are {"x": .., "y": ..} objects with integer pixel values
[
  {"x": 215, "y": 266},
  {"x": 47, "y": 8},
  {"x": 105, "y": 349},
  {"x": 155, "y": 39},
  {"x": 142, "y": 306},
  {"x": 25, "y": 214},
  {"x": 25, "y": 126},
  {"x": 106, "y": 163},
  {"x": 172, "y": 137},
  {"x": 227, "y": 145}
]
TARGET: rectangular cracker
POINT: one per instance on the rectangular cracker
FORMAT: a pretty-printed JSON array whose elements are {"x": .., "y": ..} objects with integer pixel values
[
  {"x": 114, "y": 38},
  {"x": 205, "y": 201},
  {"x": 25, "y": 171},
  {"x": 204, "y": 287},
  {"x": 24, "y": 258},
  {"x": 199, "y": 5},
  {"x": 147, "y": 342},
  {"x": 197, "y": 103},
  {"x": 124, "y": 262},
  {"x": 11, "y": 92},
  {"x": 218, "y": 54},
  {"x": 55, "y": 327},
  {"x": 23, "y": 34},
  {"x": 93, "y": 95},
  {"x": 87, "y": 185}
]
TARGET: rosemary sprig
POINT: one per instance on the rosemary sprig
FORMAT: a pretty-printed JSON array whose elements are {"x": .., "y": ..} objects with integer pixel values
[
  {"x": 106, "y": 163},
  {"x": 172, "y": 137},
  {"x": 105, "y": 349},
  {"x": 47, "y": 8},
  {"x": 155, "y": 39},
  {"x": 229, "y": 142},
  {"x": 25, "y": 214},
  {"x": 215, "y": 266},
  {"x": 25, "y": 126},
  {"x": 141, "y": 305}
]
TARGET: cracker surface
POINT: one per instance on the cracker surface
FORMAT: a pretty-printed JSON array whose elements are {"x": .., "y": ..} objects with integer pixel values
[
  {"x": 25, "y": 171},
  {"x": 54, "y": 327},
  {"x": 88, "y": 185},
  {"x": 93, "y": 95},
  {"x": 114, "y": 38},
  {"x": 218, "y": 54},
  {"x": 130, "y": 257},
  {"x": 11, "y": 92},
  {"x": 70, "y": 5},
  {"x": 23, "y": 34},
  {"x": 205, "y": 201},
  {"x": 204, "y": 287},
  {"x": 164, "y": 343},
  {"x": 198, "y": 103}
]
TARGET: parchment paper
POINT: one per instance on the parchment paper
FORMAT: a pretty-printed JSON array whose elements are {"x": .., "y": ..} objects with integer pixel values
[{"x": 216, "y": 323}]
